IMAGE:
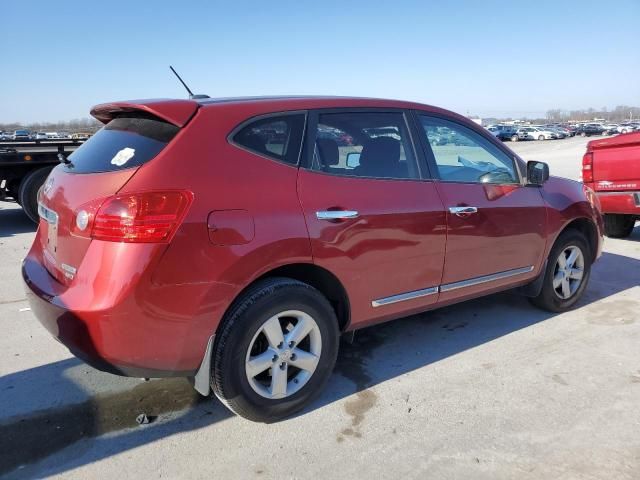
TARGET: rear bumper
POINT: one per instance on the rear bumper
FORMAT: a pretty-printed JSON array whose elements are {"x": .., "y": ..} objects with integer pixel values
[
  {"x": 620, "y": 202},
  {"x": 129, "y": 326},
  {"x": 71, "y": 330}
]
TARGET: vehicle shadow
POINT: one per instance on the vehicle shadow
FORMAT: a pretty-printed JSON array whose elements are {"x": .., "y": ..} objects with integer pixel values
[
  {"x": 34, "y": 425},
  {"x": 635, "y": 235},
  {"x": 377, "y": 355},
  {"x": 14, "y": 221}
]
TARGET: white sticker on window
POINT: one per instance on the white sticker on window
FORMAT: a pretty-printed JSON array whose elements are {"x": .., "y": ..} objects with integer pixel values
[{"x": 123, "y": 156}]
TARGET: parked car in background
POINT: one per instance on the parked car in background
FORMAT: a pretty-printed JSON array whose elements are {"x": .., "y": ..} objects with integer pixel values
[
  {"x": 52, "y": 134},
  {"x": 563, "y": 129},
  {"x": 610, "y": 129},
  {"x": 243, "y": 270},
  {"x": 496, "y": 129},
  {"x": 23, "y": 135},
  {"x": 40, "y": 136},
  {"x": 558, "y": 131},
  {"x": 628, "y": 127},
  {"x": 64, "y": 135},
  {"x": 5, "y": 136},
  {"x": 493, "y": 130},
  {"x": 539, "y": 133},
  {"x": 611, "y": 167},
  {"x": 511, "y": 134},
  {"x": 586, "y": 130}
]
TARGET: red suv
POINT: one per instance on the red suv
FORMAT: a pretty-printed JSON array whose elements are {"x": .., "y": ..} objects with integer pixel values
[{"x": 234, "y": 240}]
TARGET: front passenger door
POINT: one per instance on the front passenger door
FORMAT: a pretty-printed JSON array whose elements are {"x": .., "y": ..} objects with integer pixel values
[{"x": 495, "y": 224}]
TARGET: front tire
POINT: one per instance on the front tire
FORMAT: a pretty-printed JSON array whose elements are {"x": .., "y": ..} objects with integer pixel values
[
  {"x": 567, "y": 273},
  {"x": 514, "y": 138},
  {"x": 618, "y": 225},
  {"x": 541, "y": 137},
  {"x": 275, "y": 350}
]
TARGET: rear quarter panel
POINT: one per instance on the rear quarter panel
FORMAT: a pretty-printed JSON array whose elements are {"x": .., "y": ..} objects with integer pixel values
[{"x": 223, "y": 177}]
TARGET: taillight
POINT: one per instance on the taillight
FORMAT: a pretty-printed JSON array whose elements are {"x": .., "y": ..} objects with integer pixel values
[
  {"x": 587, "y": 167},
  {"x": 136, "y": 218}
]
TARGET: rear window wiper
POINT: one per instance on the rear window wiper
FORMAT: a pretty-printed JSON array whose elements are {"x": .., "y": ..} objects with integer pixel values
[{"x": 64, "y": 160}]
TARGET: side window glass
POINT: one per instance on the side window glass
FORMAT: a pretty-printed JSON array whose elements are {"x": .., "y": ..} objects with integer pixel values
[
  {"x": 463, "y": 155},
  {"x": 278, "y": 137},
  {"x": 373, "y": 145}
]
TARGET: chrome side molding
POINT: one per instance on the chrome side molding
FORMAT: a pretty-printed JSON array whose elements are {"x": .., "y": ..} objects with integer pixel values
[
  {"x": 485, "y": 278},
  {"x": 404, "y": 296},
  {"x": 450, "y": 286}
]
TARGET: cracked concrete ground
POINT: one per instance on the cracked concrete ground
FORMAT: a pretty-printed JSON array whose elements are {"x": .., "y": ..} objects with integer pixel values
[{"x": 488, "y": 389}]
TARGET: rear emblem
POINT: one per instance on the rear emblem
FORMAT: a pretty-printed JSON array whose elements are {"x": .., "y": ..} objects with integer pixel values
[{"x": 48, "y": 185}]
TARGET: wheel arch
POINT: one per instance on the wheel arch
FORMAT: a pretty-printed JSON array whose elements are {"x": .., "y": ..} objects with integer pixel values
[
  {"x": 319, "y": 278},
  {"x": 587, "y": 228}
]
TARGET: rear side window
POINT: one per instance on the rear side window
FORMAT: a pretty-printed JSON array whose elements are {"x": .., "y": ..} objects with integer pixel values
[
  {"x": 125, "y": 142},
  {"x": 277, "y": 137},
  {"x": 364, "y": 144}
]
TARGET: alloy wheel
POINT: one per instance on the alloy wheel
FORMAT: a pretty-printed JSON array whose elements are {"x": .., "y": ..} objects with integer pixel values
[
  {"x": 283, "y": 354},
  {"x": 568, "y": 272}
]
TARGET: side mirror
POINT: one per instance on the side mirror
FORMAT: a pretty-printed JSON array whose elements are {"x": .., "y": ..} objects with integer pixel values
[
  {"x": 537, "y": 173},
  {"x": 353, "y": 159}
]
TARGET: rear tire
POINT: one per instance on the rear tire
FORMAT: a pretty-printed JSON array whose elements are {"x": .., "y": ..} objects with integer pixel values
[
  {"x": 618, "y": 225},
  {"x": 553, "y": 297},
  {"x": 541, "y": 137},
  {"x": 28, "y": 191},
  {"x": 248, "y": 358},
  {"x": 514, "y": 138}
]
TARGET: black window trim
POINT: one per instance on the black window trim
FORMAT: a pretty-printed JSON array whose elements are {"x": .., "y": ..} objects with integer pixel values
[
  {"x": 312, "y": 127},
  {"x": 430, "y": 157},
  {"x": 264, "y": 116}
]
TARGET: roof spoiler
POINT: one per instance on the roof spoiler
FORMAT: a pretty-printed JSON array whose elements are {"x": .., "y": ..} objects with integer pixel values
[{"x": 176, "y": 112}]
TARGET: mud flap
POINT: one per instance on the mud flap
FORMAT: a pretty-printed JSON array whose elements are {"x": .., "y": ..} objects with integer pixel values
[
  {"x": 534, "y": 288},
  {"x": 202, "y": 379}
]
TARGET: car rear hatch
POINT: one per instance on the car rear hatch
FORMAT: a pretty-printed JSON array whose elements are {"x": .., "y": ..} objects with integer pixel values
[
  {"x": 616, "y": 163},
  {"x": 134, "y": 134}
]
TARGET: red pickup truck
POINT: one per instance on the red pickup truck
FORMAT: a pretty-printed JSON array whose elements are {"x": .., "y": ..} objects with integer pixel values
[{"x": 611, "y": 167}]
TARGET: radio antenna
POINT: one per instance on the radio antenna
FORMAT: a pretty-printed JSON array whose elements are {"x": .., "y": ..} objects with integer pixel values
[{"x": 191, "y": 95}]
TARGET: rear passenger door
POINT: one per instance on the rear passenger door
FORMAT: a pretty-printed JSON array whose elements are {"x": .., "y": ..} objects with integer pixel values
[{"x": 373, "y": 220}]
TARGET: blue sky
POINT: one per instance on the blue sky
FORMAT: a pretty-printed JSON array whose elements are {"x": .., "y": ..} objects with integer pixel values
[{"x": 490, "y": 58}]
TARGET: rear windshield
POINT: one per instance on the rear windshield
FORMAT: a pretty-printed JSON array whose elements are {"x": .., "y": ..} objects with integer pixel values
[{"x": 125, "y": 142}]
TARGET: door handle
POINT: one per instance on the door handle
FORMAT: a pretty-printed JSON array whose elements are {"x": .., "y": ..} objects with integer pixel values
[
  {"x": 336, "y": 214},
  {"x": 463, "y": 211}
]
